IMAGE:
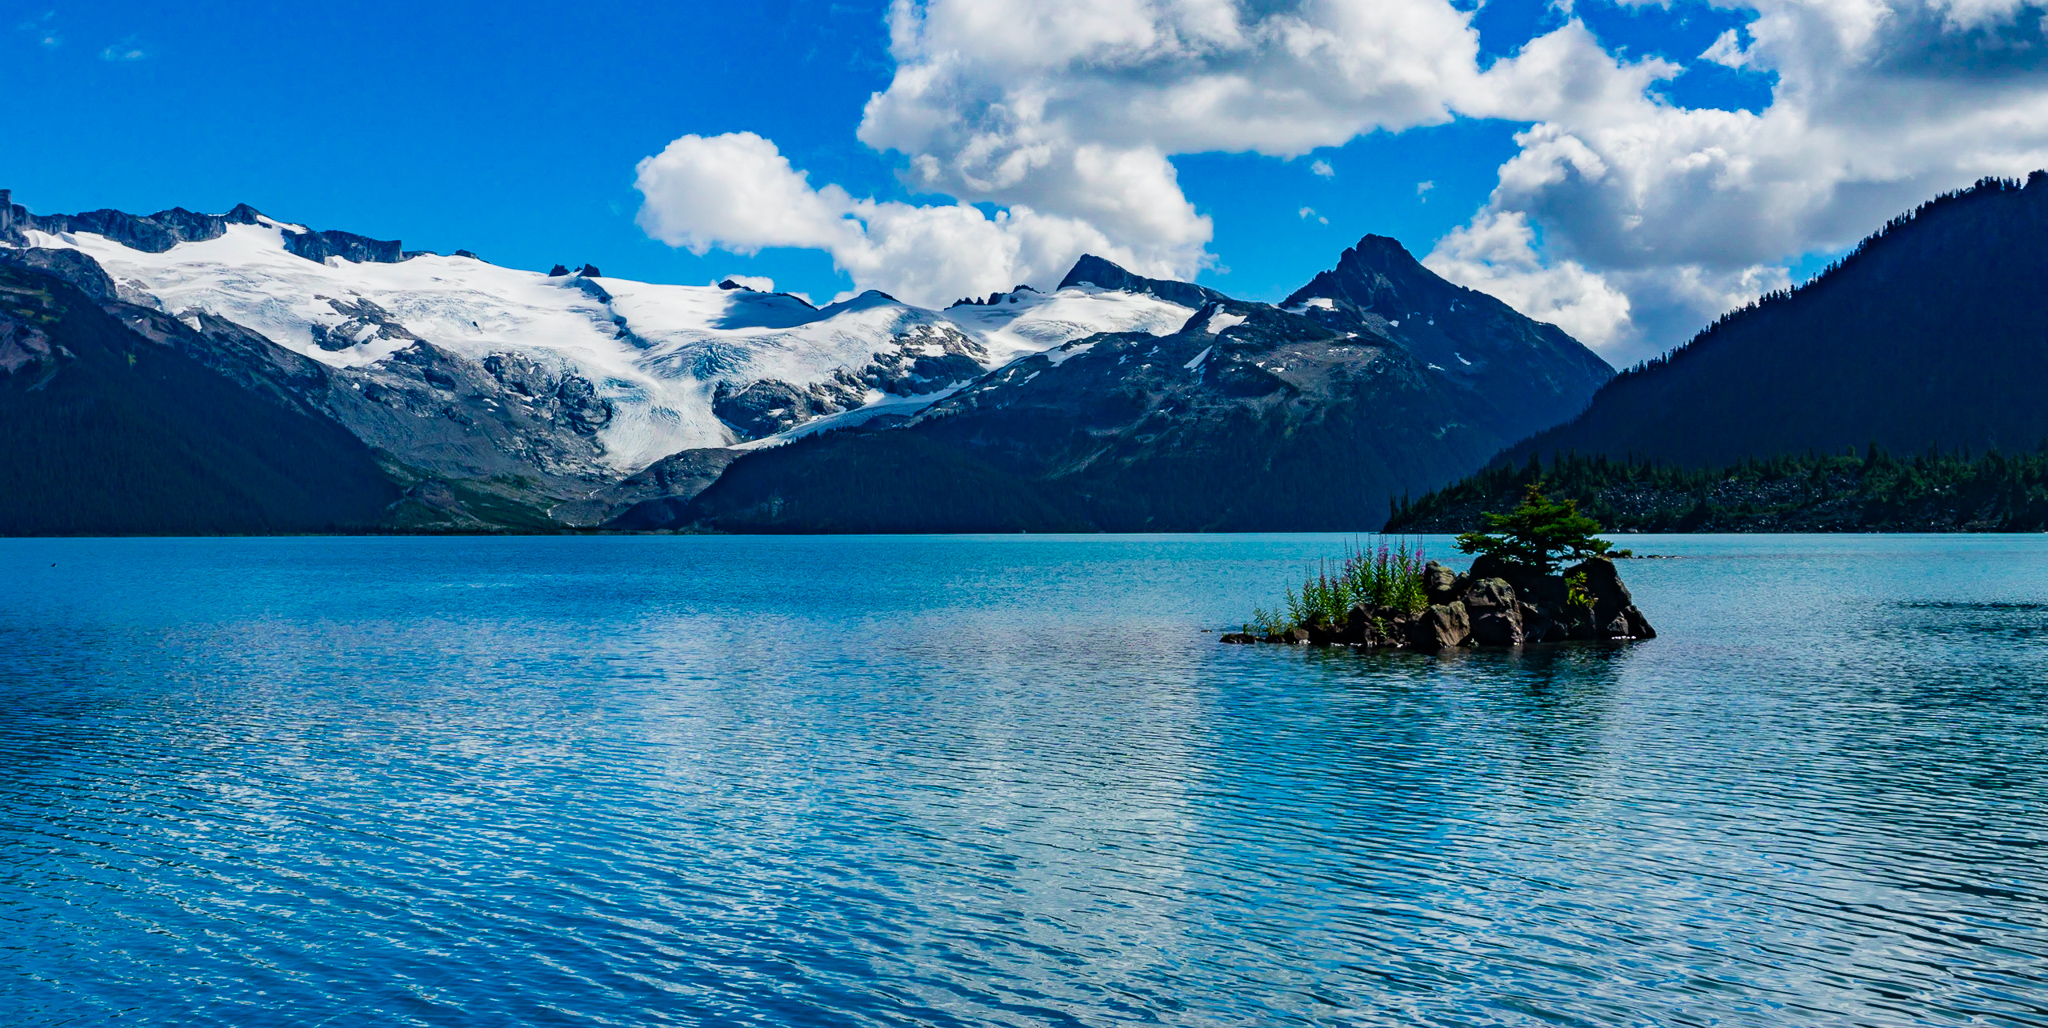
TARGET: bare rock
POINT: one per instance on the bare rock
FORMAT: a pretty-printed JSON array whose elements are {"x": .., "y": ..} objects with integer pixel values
[
  {"x": 1496, "y": 613},
  {"x": 1441, "y": 582},
  {"x": 1443, "y": 626}
]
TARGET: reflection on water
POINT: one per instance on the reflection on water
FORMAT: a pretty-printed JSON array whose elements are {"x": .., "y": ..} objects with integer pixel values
[{"x": 1005, "y": 781}]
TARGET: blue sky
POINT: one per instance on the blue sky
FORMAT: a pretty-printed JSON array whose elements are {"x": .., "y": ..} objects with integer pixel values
[{"x": 514, "y": 130}]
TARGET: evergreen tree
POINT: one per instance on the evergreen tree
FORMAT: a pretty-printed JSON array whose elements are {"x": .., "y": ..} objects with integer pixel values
[{"x": 1537, "y": 534}]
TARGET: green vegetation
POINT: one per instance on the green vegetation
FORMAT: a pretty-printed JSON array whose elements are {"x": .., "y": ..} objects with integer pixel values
[
  {"x": 1873, "y": 492},
  {"x": 1383, "y": 578},
  {"x": 1536, "y": 534}
]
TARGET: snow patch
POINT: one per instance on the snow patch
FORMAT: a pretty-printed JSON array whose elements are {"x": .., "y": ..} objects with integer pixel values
[
  {"x": 1199, "y": 358},
  {"x": 1222, "y": 321},
  {"x": 1038, "y": 322},
  {"x": 1057, "y": 357}
]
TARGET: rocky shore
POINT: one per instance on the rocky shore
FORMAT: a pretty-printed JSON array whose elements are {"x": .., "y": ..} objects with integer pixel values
[{"x": 1493, "y": 605}]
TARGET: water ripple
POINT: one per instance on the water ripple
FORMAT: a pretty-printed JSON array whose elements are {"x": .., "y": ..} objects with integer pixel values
[{"x": 1005, "y": 781}]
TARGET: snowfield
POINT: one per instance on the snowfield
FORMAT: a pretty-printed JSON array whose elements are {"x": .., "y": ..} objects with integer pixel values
[{"x": 658, "y": 353}]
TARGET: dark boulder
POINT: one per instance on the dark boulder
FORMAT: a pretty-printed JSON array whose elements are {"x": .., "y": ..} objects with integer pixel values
[
  {"x": 1441, "y": 582},
  {"x": 1496, "y": 613},
  {"x": 1540, "y": 624},
  {"x": 1603, "y": 583},
  {"x": 557, "y": 271},
  {"x": 590, "y": 271},
  {"x": 1638, "y": 625},
  {"x": 1443, "y": 626}
]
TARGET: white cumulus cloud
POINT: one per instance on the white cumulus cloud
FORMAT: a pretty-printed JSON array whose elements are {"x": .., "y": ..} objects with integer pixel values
[
  {"x": 1690, "y": 211},
  {"x": 1624, "y": 217},
  {"x": 737, "y": 192}
]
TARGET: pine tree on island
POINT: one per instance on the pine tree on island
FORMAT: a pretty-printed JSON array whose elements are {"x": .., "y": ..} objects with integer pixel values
[
  {"x": 1514, "y": 593},
  {"x": 1537, "y": 534}
]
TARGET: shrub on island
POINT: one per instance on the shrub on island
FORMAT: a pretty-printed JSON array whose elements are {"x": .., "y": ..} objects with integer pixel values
[{"x": 1513, "y": 594}]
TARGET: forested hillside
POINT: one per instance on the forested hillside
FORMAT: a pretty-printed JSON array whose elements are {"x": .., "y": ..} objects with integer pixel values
[
  {"x": 1873, "y": 492},
  {"x": 1931, "y": 333}
]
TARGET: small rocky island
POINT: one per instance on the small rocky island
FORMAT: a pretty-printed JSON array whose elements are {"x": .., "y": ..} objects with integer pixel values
[{"x": 1517, "y": 592}]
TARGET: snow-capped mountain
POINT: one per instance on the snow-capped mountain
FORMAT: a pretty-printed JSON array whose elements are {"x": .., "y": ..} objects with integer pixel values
[
  {"x": 483, "y": 397},
  {"x": 580, "y": 379},
  {"x": 1310, "y": 416}
]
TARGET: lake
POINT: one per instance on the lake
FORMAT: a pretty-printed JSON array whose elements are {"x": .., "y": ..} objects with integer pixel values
[{"x": 1006, "y": 781}]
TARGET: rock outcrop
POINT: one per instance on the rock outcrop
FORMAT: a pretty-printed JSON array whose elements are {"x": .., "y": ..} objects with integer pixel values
[{"x": 1492, "y": 605}]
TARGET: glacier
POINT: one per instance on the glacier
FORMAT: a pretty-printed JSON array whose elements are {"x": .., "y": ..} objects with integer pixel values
[{"x": 677, "y": 367}]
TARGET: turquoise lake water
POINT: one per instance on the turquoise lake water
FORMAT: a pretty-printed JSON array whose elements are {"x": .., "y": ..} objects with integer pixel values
[{"x": 1006, "y": 781}]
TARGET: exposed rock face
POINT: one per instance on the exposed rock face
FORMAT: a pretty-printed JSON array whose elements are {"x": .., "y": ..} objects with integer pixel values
[
  {"x": 1496, "y": 615},
  {"x": 1531, "y": 374},
  {"x": 70, "y": 265},
  {"x": 1445, "y": 626},
  {"x": 651, "y": 498},
  {"x": 24, "y": 345},
  {"x": 365, "y": 321},
  {"x": 506, "y": 427},
  {"x": 928, "y": 357},
  {"x": 1489, "y": 611},
  {"x": 1091, "y": 270},
  {"x": 765, "y": 408},
  {"x": 1441, "y": 582}
]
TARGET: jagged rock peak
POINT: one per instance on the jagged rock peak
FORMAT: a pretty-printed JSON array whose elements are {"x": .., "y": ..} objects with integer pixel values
[
  {"x": 1368, "y": 271},
  {"x": 1095, "y": 271}
]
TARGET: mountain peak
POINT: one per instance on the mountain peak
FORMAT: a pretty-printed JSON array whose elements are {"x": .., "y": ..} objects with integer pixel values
[
  {"x": 1380, "y": 251},
  {"x": 1091, "y": 270},
  {"x": 1096, "y": 271},
  {"x": 1368, "y": 273}
]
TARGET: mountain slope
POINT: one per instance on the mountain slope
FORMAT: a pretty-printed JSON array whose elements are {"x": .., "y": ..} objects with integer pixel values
[
  {"x": 501, "y": 397},
  {"x": 1249, "y": 418},
  {"x": 107, "y": 432},
  {"x": 548, "y": 390},
  {"x": 1531, "y": 374},
  {"x": 1930, "y": 334}
]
